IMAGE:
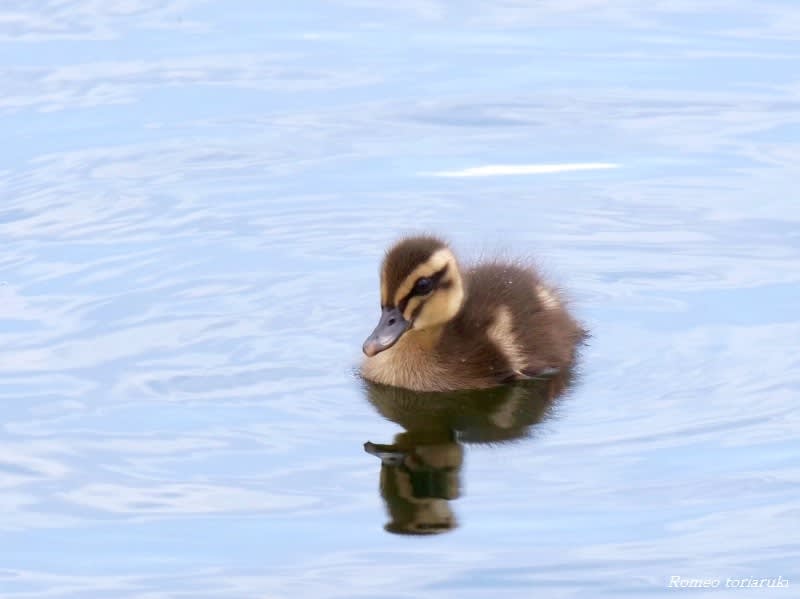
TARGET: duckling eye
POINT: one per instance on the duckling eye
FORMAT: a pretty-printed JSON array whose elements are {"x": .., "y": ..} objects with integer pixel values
[{"x": 423, "y": 286}]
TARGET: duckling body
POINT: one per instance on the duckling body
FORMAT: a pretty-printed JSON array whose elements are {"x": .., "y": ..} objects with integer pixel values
[{"x": 445, "y": 329}]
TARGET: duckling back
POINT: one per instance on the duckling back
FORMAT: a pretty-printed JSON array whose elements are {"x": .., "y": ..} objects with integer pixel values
[{"x": 518, "y": 326}]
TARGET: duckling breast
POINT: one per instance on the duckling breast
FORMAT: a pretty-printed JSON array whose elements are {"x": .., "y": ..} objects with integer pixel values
[{"x": 409, "y": 364}]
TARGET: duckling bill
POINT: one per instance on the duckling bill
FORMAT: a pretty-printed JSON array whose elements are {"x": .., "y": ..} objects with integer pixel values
[{"x": 444, "y": 328}]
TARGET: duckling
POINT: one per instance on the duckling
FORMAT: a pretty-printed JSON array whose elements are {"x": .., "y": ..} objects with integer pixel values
[{"x": 444, "y": 328}]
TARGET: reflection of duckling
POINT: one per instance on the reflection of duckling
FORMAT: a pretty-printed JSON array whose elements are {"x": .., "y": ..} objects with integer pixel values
[
  {"x": 420, "y": 471},
  {"x": 442, "y": 329},
  {"x": 476, "y": 416},
  {"x": 418, "y": 480}
]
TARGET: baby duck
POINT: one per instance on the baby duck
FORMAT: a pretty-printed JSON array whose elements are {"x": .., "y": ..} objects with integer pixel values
[{"x": 444, "y": 329}]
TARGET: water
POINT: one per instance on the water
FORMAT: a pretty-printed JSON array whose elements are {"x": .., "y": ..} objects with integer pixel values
[{"x": 195, "y": 199}]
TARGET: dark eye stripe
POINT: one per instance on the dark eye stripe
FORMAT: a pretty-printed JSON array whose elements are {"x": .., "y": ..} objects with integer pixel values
[
  {"x": 416, "y": 311},
  {"x": 435, "y": 277}
]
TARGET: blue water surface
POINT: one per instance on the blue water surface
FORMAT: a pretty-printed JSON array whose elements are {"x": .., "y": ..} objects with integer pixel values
[{"x": 194, "y": 200}]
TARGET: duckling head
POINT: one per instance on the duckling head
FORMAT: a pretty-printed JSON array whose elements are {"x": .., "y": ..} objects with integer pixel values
[{"x": 421, "y": 289}]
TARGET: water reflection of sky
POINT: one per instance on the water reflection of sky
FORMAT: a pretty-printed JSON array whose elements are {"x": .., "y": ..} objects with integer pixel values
[{"x": 194, "y": 199}]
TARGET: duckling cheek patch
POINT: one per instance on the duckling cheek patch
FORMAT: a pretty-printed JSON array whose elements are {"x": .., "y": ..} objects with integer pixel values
[{"x": 440, "y": 307}]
